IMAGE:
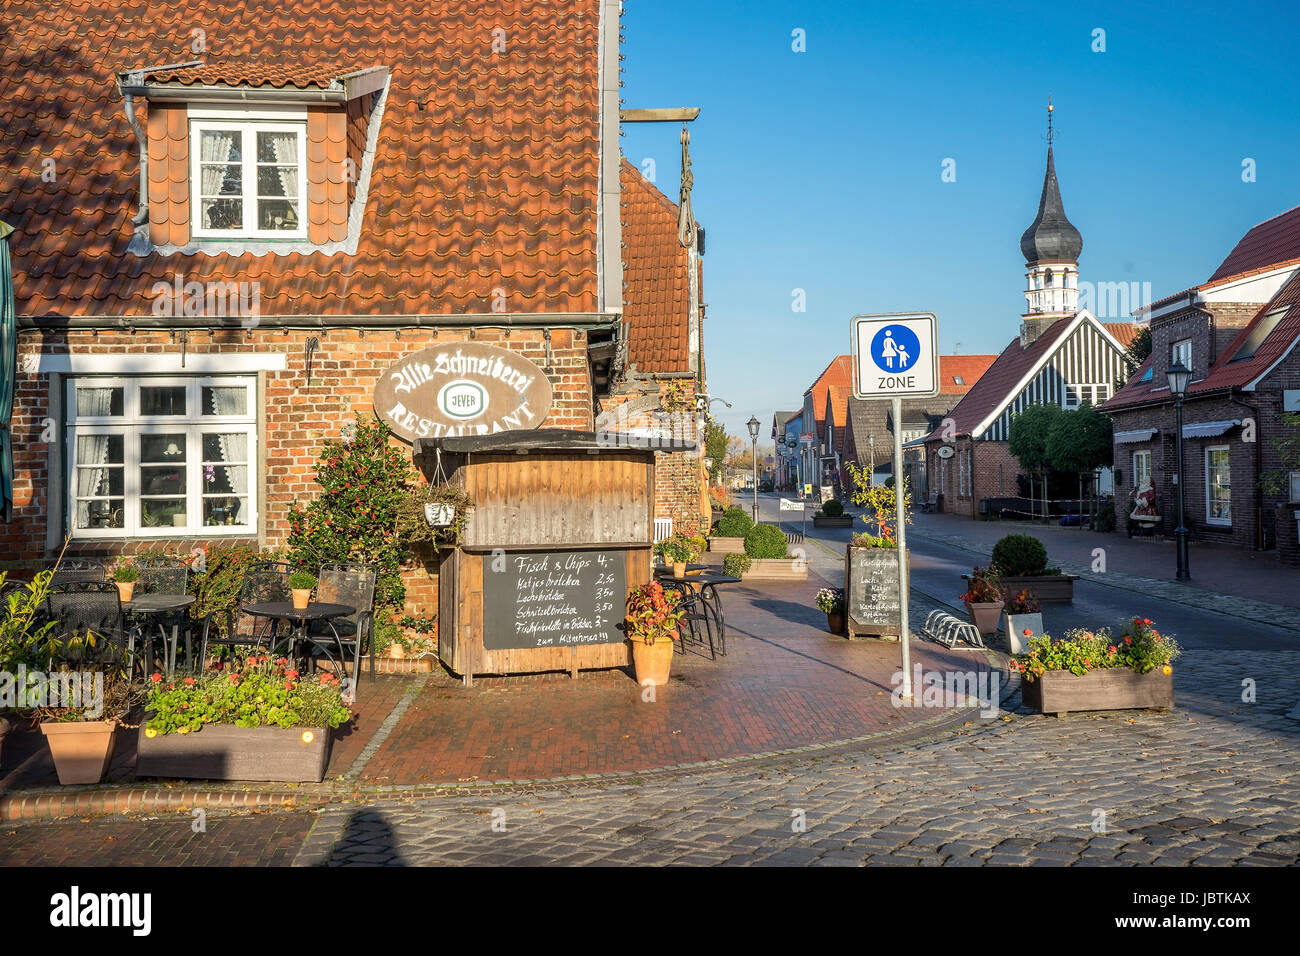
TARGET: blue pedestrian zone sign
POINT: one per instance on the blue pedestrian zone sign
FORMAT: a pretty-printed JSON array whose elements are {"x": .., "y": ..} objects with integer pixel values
[{"x": 895, "y": 355}]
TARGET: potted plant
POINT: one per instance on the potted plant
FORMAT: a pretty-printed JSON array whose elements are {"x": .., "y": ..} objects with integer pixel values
[
  {"x": 831, "y": 515},
  {"x": 81, "y": 739},
  {"x": 770, "y": 560},
  {"x": 652, "y": 623},
  {"x": 300, "y": 586},
  {"x": 1021, "y": 560},
  {"x": 124, "y": 576},
  {"x": 677, "y": 551},
  {"x": 730, "y": 530},
  {"x": 1024, "y": 620},
  {"x": 1090, "y": 670},
  {"x": 831, "y": 602},
  {"x": 263, "y": 721},
  {"x": 983, "y": 599}
]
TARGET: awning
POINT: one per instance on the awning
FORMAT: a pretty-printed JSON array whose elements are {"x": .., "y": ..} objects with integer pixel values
[
  {"x": 1140, "y": 434},
  {"x": 1209, "y": 429}
]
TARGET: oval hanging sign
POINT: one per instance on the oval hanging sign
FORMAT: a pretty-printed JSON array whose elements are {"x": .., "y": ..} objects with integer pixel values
[{"x": 462, "y": 388}]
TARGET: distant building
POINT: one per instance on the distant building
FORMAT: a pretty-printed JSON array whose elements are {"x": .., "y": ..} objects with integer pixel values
[
  {"x": 785, "y": 434},
  {"x": 1237, "y": 332}
]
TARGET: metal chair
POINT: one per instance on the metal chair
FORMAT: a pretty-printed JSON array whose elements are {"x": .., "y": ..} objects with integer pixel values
[
  {"x": 78, "y": 571},
  {"x": 88, "y": 622},
  {"x": 262, "y": 583},
  {"x": 700, "y": 618},
  {"x": 353, "y": 585},
  {"x": 162, "y": 575}
]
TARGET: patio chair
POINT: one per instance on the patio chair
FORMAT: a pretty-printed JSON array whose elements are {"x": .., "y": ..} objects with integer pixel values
[
  {"x": 163, "y": 575},
  {"x": 88, "y": 621},
  {"x": 700, "y": 617},
  {"x": 353, "y": 585},
  {"x": 226, "y": 627},
  {"x": 77, "y": 571}
]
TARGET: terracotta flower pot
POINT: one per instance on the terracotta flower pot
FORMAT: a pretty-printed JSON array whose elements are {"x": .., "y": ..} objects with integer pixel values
[
  {"x": 301, "y": 597},
  {"x": 652, "y": 662},
  {"x": 396, "y": 651},
  {"x": 125, "y": 590},
  {"x": 985, "y": 616},
  {"x": 679, "y": 569},
  {"x": 835, "y": 622},
  {"x": 82, "y": 749}
]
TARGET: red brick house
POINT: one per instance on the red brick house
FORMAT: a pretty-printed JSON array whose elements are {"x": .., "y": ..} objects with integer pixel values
[
  {"x": 216, "y": 261},
  {"x": 1238, "y": 333},
  {"x": 1063, "y": 355},
  {"x": 818, "y": 464}
]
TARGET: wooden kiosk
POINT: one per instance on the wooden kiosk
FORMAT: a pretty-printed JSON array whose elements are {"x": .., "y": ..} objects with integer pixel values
[{"x": 561, "y": 530}]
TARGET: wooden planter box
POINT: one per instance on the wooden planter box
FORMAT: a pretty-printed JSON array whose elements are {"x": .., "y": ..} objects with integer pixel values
[
  {"x": 1113, "y": 688},
  {"x": 727, "y": 545},
  {"x": 1046, "y": 588},
  {"x": 776, "y": 569},
  {"x": 226, "y": 752},
  {"x": 823, "y": 521}
]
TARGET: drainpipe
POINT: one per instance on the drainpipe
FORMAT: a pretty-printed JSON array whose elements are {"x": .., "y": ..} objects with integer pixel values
[
  {"x": 1259, "y": 489},
  {"x": 126, "y": 84}
]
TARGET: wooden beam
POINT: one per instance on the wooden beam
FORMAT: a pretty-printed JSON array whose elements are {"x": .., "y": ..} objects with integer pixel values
[{"x": 683, "y": 114}]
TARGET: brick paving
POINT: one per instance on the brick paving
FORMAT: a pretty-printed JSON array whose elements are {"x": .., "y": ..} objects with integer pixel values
[{"x": 1212, "y": 783}]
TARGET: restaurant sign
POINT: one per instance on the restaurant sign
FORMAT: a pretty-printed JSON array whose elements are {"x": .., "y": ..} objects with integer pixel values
[{"x": 462, "y": 388}]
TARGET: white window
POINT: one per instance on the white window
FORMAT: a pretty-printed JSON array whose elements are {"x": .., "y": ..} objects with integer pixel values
[
  {"x": 1141, "y": 468},
  {"x": 248, "y": 179},
  {"x": 1076, "y": 395},
  {"x": 1181, "y": 351},
  {"x": 1218, "y": 486},
  {"x": 161, "y": 457}
]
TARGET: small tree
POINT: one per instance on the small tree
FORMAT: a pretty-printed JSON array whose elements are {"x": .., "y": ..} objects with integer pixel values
[
  {"x": 1137, "y": 352},
  {"x": 883, "y": 505},
  {"x": 715, "y": 447},
  {"x": 1287, "y": 445},
  {"x": 1081, "y": 442},
  {"x": 1027, "y": 441}
]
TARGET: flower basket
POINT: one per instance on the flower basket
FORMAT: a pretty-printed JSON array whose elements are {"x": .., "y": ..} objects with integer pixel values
[
  {"x": 1114, "y": 688},
  {"x": 82, "y": 749}
]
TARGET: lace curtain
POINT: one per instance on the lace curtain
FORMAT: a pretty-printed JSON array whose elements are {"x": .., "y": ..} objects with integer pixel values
[{"x": 92, "y": 450}]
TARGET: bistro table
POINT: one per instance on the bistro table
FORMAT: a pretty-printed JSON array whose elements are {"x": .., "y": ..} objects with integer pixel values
[
  {"x": 301, "y": 618},
  {"x": 706, "y": 581},
  {"x": 156, "y": 606}
]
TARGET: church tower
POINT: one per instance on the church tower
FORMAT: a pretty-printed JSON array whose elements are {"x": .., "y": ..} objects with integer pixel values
[{"x": 1051, "y": 246}]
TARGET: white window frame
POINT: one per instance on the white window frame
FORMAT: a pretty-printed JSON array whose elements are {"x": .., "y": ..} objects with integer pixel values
[
  {"x": 131, "y": 424},
  {"x": 1181, "y": 350},
  {"x": 1217, "y": 522},
  {"x": 1073, "y": 396},
  {"x": 248, "y": 130},
  {"x": 1139, "y": 473}
]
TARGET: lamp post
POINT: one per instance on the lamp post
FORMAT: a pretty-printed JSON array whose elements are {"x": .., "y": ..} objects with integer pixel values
[
  {"x": 753, "y": 424},
  {"x": 1179, "y": 375}
]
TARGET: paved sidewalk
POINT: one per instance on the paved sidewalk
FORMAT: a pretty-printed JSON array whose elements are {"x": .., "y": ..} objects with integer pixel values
[{"x": 1225, "y": 581}]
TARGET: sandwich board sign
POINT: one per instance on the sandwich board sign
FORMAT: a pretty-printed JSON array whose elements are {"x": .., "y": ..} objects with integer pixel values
[{"x": 895, "y": 355}]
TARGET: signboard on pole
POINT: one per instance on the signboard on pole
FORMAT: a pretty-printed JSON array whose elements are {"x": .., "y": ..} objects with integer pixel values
[
  {"x": 791, "y": 504},
  {"x": 895, "y": 355}
]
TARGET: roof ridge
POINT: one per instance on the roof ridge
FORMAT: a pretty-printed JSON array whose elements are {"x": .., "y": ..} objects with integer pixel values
[{"x": 658, "y": 193}]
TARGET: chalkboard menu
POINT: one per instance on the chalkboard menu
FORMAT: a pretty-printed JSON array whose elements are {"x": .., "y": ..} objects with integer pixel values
[
  {"x": 872, "y": 591},
  {"x": 553, "y": 598}
]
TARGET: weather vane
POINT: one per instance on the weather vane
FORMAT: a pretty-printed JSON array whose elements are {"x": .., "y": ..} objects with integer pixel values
[{"x": 1051, "y": 133}]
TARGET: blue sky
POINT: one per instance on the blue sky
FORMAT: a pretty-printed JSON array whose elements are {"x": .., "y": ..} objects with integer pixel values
[{"x": 821, "y": 170}]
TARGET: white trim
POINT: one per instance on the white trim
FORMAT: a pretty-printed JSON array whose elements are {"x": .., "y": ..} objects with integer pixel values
[
  {"x": 237, "y": 112},
  {"x": 1205, "y": 460},
  {"x": 1145, "y": 453},
  {"x": 166, "y": 363},
  {"x": 248, "y": 131}
]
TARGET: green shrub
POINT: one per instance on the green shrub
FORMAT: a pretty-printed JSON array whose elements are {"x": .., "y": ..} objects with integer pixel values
[
  {"x": 734, "y": 523},
  {"x": 832, "y": 509},
  {"x": 765, "y": 541},
  {"x": 1018, "y": 555},
  {"x": 1104, "y": 517},
  {"x": 736, "y": 564}
]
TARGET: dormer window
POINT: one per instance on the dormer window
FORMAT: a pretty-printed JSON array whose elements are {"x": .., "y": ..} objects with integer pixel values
[{"x": 249, "y": 179}]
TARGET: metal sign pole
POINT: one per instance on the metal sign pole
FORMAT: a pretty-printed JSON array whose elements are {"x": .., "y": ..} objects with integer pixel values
[{"x": 900, "y": 517}]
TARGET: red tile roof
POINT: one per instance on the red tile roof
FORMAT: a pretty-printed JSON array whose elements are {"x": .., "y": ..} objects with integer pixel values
[
  {"x": 486, "y": 175},
  {"x": 296, "y": 69},
  {"x": 1124, "y": 332},
  {"x": 837, "y": 410},
  {"x": 656, "y": 274},
  {"x": 1006, "y": 372},
  {"x": 1225, "y": 373},
  {"x": 1272, "y": 242},
  {"x": 969, "y": 368},
  {"x": 839, "y": 372}
]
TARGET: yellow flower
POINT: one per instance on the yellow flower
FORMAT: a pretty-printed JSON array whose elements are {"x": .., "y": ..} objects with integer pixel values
[
  {"x": 183, "y": 729},
  {"x": 1168, "y": 669},
  {"x": 150, "y": 733}
]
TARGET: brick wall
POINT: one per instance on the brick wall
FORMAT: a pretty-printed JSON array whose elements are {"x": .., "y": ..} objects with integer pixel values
[
  {"x": 298, "y": 418},
  {"x": 988, "y": 466}
]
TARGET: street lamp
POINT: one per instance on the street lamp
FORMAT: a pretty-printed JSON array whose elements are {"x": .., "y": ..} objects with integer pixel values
[
  {"x": 753, "y": 438},
  {"x": 1179, "y": 375}
]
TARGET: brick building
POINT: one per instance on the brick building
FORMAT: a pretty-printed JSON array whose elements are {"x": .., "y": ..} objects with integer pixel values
[
  {"x": 786, "y": 427},
  {"x": 1063, "y": 355},
  {"x": 1237, "y": 332},
  {"x": 188, "y": 341},
  {"x": 817, "y": 459}
]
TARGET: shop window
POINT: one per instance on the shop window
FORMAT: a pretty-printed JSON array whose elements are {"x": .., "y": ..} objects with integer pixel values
[
  {"x": 249, "y": 179},
  {"x": 1218, "y": 486},
  {"x": 161, "y": 457}
]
